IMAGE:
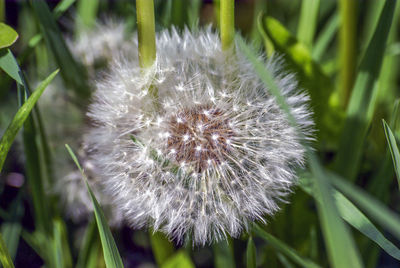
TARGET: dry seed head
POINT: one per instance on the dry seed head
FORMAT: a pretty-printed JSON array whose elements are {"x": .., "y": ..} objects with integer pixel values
[{"x": 214, "y": 154}]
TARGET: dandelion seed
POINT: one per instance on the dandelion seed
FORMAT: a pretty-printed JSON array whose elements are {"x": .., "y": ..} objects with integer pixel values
[{"x": 230, "y": 151}]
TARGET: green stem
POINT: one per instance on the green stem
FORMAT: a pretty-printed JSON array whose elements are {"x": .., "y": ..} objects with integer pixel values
[
  {"x": 347, "y": 49},
  {"x": 146, "y": 32},
  {"x": 227, "y": 23}
]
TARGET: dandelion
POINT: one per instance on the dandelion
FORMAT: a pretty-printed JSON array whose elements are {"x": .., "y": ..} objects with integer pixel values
[{"x": 209, "y": 153}]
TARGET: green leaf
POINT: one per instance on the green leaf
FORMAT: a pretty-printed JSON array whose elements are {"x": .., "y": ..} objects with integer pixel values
[
  {"x": 179, "y": 259},
  {"x": 7, "y": 35},
  {"x": 308, "y": 21},
  {"x": 284, "y": 249},
  {"x": 251, "y": 254},
  {"x": 112, "y": 257},
  {"x": 362, "y": 101},
  {"x": 72, "y": 73},
  {"x": 20, "y": 117},
  {"x": 394, "y": 150},
  {"x": 60, "y": 248},
  {"x": 367, "y": 203},
  {"x": 5, "y": 258},
  {"x": 10, "y": 65}
]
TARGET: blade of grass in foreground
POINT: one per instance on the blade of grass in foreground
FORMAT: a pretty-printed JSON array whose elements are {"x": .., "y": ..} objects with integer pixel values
[
  {"x": 283, "y": 248},
  {"x": 394, "y": 150},
  {"x": 111, "y": 255},
  {"x": 362, "y": 101},
  {"x": 352, "y": 215},
  {"x": 4, "y": 255},
  {"x": 340, "y": 244},
  {"x": 7, "y": 35},
  {"x": 371, "y": 206},
  {"x": 20, "y": 117}
]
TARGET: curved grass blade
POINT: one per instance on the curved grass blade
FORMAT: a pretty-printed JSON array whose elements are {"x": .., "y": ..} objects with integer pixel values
[
  {"x": 352, "y": 215},
  {"x": 283, "y": 248},
  {"x": 371, "y": 206},
  {"x": 112, "y": 257},
  {"x": 362, "y": 101},
  {"x": 20, "y": 117},
  {"x": 7, "y": 35},
  {"x": 5, "y": 258},
  {"x": 251, "y": 257},
  {"x": 394, "y": 150},
  {"x": 341, "y": 247}
]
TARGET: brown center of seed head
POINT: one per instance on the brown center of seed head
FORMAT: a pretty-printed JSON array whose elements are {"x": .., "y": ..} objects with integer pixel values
[{"x": 199, "y": 137}]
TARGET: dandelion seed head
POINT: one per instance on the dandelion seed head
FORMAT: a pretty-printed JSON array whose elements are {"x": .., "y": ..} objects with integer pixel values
[{"x": 223, "y": 154}]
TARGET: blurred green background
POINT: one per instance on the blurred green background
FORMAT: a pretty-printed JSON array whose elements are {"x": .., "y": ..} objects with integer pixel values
[{"x": 345, "y": 211}]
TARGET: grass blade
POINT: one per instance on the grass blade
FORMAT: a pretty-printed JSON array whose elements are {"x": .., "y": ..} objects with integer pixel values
[
  {"x": 112, "y": 257},
  {"x": 5, "y": 258},
  {"x": 283, "y": 248},
  {"x": 7, "y": 35},
  {"x": 394, "y": 150},
  {"x": 62, "y": 7},
  {"x": 372, "y": 207},
  {"x": 362, "y": 101},
  {"x": 352, "y": 215},
  {"x": 90, "y": 246},
  {"x": 11, "y": 227},
  {"x": 20, "y": 117},
  {"x": 308, "y": 21},
  {"x": 341, "y": 247},
  {"x": 71, "y": 72},
  {"x": 251, "y": 257},
  {"x": 87, "y": 12}
]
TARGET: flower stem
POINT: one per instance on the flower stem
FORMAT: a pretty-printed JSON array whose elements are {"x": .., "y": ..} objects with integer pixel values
[
  {"x": 227, "y": 23},
  {"x": 347, "y": 49},
  {"x": 146, "y": 32}
]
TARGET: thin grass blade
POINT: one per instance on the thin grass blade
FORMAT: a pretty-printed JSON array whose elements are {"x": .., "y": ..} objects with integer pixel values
[
  {"x": 223, "y": 254},
  {"x": 112, "y": 257},
  {"x": 179, "y": 259},
  {"x": 20, "y": 117},
  {"x": 394, "y": 150},
  {"x": 9, "y": 65}
]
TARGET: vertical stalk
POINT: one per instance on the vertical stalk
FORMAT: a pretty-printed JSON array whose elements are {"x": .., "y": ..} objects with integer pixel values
[
  {"x": 227, "y": 23},
  {"x": 146, "y": 32},
  {"x": 347, "y": 49},
  {"x": 2, "y": 11}
]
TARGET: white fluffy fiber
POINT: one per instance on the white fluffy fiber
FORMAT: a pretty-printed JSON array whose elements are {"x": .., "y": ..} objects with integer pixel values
[{"x": 230, "y": 169}]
